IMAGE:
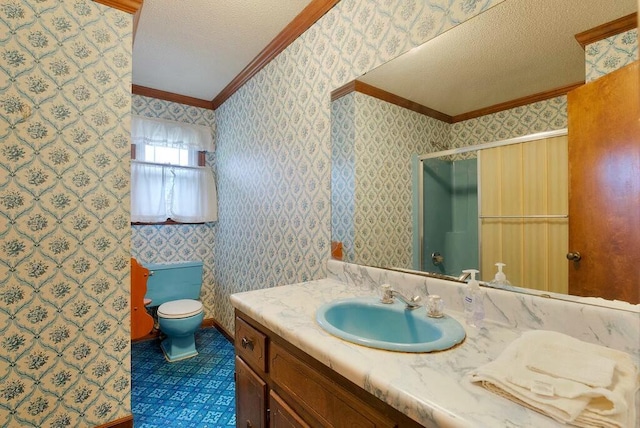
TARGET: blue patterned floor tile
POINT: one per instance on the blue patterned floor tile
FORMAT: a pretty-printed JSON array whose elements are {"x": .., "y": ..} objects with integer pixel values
[{"x": 198, "y": 392}]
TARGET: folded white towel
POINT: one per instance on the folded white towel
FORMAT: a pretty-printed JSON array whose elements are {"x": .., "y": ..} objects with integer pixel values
[
  {"x": 561, "y": 395},
  {"x": 565, "y": 362}
]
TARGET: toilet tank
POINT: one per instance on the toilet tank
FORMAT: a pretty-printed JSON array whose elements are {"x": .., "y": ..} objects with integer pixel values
[{"x": 173, "y": 281}]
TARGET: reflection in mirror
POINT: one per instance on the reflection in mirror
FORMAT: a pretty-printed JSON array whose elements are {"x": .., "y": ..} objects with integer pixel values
[
  {"x": 501, "y": 75},
  {"x": 448, "y": 199},
  {"x": 501, "y": 202}
]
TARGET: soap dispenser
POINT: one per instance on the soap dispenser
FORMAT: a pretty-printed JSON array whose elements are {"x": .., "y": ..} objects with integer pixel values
[
  {"x": 500, "y": 280},
  {"x": 473, "y": 301}
]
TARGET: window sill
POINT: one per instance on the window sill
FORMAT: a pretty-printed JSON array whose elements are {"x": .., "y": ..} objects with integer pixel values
[{"x": 167, "y": 222}]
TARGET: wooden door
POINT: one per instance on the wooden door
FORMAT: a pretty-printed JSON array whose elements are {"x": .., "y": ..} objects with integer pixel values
[{"x": 604, "y": 195}]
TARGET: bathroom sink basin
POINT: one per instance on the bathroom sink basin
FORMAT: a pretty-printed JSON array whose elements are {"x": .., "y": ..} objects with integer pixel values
[{"x": 367, "y": 322}]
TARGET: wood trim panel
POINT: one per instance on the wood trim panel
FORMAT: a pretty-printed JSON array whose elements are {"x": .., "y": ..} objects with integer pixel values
[
  {"x": 540, "y": 96},
  {"x": 211, "y": 322},
  {"x": 125, "y": 422},
  {"x": 129, "y": 6},
  {"x": 170, "y": 96},
  {"x": 343, "y": 90},
  {"x": 167, "y": 222},
  {"x": 336, "y": 250},
  {"x": 364, "y": 88},
  {"x": 372, "y": 91},
  {"x": 609, "y": 29},
  {"x": 305, "y": 19}
]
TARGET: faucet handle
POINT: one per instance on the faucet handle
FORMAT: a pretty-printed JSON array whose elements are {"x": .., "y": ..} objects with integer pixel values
[
  {"x": 435, "y": 305},
  {"x": 387, "y": 293}
]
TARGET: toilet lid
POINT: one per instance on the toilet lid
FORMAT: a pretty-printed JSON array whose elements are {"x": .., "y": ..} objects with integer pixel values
[{"x": 180, "y": 308}]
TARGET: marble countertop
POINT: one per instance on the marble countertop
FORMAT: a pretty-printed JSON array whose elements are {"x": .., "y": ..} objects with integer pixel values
[{"x": 432, "y": 388}]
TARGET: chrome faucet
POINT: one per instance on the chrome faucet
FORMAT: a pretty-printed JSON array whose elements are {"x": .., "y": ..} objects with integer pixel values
[
  {"x": 464, "y": 276},
  {"x": 389, "y": 293}
]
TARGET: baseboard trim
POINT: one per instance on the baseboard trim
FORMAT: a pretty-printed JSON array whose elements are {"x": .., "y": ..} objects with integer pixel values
[
  {"x": 211, "y": 322},
  {"x": 206, "y": 323},
  {"x": 125, "y": 422}
]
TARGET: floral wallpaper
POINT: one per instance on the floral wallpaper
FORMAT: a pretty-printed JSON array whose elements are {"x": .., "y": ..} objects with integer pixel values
[
  {"x": 373, "y": 140},
  {"x": 274, "y": 140},
  {"x": 610, "y": 54},
  {"x": 379, "y": 144},
  {"x": 157, "y": 243},
  {"x": 343, "y": 174},
  {"x": 65, "y": 77},
  {"x": 547, "y": 115}
]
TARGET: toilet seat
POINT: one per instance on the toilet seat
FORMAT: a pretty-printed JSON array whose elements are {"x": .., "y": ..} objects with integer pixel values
[{"x": 183, "y": 308}]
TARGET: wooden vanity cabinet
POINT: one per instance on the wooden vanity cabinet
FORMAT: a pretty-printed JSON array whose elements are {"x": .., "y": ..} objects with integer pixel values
[
  {"x": 278, "y": 385},
  {"x": 283, "y": 416},
  {"x": 251, "y": 395}
]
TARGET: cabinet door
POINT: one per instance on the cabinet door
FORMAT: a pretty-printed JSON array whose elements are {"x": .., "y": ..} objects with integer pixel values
[
  {"x": 283, "y": 416},
  {"x": 251, "y": 395},
  {"x": 324, "y": 400}
]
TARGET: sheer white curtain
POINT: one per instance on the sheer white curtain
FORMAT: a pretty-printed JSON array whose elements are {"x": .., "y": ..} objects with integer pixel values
[
  {"x": 168, "y": 133},
  {"x": 193, "y": 196},
  {"x": 183, "y": 194},
  {"x": 158, "y": 191},
  {"x": 148, "y": 193}
]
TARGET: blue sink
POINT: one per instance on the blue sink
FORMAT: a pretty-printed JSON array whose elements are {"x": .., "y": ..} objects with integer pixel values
[{"x": 367, "y": 322}]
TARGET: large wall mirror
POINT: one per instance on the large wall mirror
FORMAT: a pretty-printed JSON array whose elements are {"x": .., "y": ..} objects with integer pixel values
[{"x": 502, "y": 75}]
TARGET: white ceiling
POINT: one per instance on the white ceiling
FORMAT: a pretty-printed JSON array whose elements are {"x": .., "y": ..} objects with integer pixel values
[
  {"x": 197, "y": 47},
  {"x": 518, "y": 48},
  {"x": 515, "y": 49}
]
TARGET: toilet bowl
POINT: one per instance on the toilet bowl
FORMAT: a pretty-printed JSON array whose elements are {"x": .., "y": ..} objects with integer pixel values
[
  {"x": 174, "y": 289},
  {"x": 179, "y": 320}
]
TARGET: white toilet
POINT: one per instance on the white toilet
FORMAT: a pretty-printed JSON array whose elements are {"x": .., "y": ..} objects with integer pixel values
[{"x": 174, "y": 289}]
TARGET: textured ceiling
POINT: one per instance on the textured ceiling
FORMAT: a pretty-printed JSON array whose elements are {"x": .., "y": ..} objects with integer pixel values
[
  {"x": 196, "y": 47},
  {"x": 515, "y": 49}
]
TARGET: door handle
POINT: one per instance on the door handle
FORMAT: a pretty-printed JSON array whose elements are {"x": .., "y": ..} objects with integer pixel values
[{"x": 574, "y": 256}]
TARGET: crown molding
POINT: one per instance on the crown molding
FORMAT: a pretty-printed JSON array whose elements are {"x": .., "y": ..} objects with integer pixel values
[
  {"x": 364, "y": 88},
  {"x": 608, "y": 29},
  {"x": 301, "y": 23},
  {"x": 343, "y": 90},
  {"x": 372, "y": 91},
  {"x": 518, "y": 102},
  {"x": 170, "y": 96},
  {"x": 129, "y": 6},
  {"x": 383, "y": 95}
]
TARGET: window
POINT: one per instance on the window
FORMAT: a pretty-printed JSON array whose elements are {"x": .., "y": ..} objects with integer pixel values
[
  {"x": 167, "y": 155},
  {"x": 168, "y": 178}
]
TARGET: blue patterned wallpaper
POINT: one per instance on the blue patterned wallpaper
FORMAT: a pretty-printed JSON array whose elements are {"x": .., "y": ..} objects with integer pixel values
[
  {"x": 274, "y": 140},
  {"x": 65, "y": 78},
  {"x": 610, "y": 54},
  {"x": 343, "y": 174},
  {"x": 547, "y": 115},
  {"x": 158, "y": 244},
  {"x": 372, "y": 144},
  {"x": 378, "y": 139}
]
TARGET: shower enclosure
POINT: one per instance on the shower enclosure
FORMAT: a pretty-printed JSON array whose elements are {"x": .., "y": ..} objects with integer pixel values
[
  {"x": 504, "y": 201},
  {"x": 447, "y": 199}
]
